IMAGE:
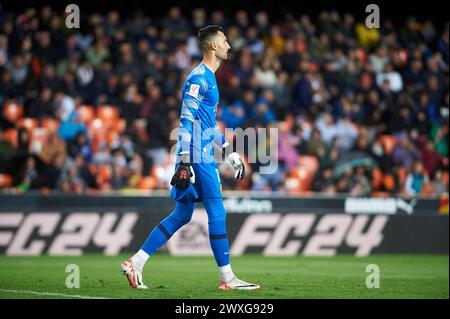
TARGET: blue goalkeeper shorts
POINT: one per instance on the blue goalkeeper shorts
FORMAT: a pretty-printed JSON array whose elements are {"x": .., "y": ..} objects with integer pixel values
[{"x": 207, "y": 184}]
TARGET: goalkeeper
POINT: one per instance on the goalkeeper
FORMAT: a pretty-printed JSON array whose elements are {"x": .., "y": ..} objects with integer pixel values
[{"x": 196, "y": 177}]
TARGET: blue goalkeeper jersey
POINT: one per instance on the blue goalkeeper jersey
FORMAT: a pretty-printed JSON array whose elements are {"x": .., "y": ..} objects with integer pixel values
[{"x": 198, "y": 130}]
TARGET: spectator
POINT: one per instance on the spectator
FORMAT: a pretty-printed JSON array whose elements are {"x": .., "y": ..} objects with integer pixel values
[
  {"x": 28, "y": 177},
  {"x": 80, "y": 146},
  {"x": 379, "y": 60},
  {"x": 416, "y": 179},
  {"x": 393, "y": 78},
  {"x": 158, "y": 130},
  {"x": 430, "y": 158},
  {"x": 405, "y": 154},
  {"x": 24, "y": 142},
  {"x": 71, "y": 182},
  {"x": 315, "y": 143},
  {"x": 323, "y": 181},
  {"x": 7, "y": 151},
  {"x": 287, "y": 153},
  {"x": 69, "y": 129},
  {"x": 18, "y": 70},
  {"x": 53, "y": 170},
  {"x": 360, "y": 184},
  {"x": 53, "y": 146},
  {"x": 43, "y": 106},
  {"x": 335, "y": 84},
  {"x": 440, "y": 186}
]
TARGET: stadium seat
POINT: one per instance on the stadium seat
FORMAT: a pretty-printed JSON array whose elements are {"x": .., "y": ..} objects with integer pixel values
[
  {"x": 427, "y": 190},
  {"x": 302, "y": 176},
  {"x": 445, "y": 178},
  {"x": 120, "y": 126},
  {"x": 29, "y": 123},
  {"x": 402, "y": 173},
  {"x": 380, "y": 194},
  {"x": 108, "y": 114},
  {"x": 389, "y": 182},
  {"x": 86, "y": 113},
  {"x": 377, "y": 178},
  {"x": 99, "y": 131},
  {"x": 5, "y": 180},
  {"x": 38, "y": 139},
  {"x": 11, "y": 135},
  {"x": 12, "y": 111},
  {"x": 305, "y": 178},
  {"x": 388, "y": 142},
  {"x": 292, "y": 185},
  {"x": 147, "y": 183},
  {"x": 309, "y": 162},
  {"x": 361, "y": 54},
  {"x": 104, "y": 174}
]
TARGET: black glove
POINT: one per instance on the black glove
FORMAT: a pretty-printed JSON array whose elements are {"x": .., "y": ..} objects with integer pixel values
[{"x": 183, "y": 176}]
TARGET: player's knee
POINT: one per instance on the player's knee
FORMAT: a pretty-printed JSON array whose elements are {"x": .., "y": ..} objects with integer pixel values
[{"x": 179, "y": 220}]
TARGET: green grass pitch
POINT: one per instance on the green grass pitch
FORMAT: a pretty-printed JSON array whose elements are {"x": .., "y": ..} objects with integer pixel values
[{"x": 343, "y": 276}]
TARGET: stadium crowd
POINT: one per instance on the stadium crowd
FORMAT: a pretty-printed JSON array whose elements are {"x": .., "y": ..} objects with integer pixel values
[{"x": 359, "y": 111}]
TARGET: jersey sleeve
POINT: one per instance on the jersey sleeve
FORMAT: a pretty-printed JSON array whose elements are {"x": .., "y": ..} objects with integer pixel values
[{"x": 194, "y": 93}]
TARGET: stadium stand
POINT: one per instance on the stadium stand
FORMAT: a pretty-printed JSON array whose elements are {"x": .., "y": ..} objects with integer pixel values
[{"x": 92, "y": 110}]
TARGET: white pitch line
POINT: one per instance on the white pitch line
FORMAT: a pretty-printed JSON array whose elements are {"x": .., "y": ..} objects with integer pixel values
[{"x": 43, "y": 293}]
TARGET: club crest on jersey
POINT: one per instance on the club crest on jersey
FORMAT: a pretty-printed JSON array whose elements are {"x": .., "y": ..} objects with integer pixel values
[{"x": 193, "y": 90}]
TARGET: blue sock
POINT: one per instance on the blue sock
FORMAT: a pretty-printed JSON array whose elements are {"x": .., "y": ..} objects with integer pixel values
[
  {"x": 165, "y": 229},
  {"x": 217, "y": 230}
]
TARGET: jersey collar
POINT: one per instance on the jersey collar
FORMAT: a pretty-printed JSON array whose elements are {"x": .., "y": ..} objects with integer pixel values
[{"x": 208, "y": 67}]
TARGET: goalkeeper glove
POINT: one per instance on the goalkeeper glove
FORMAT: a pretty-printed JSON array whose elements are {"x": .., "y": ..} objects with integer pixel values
[
  {"x": 184, "y": 175},
  {"x": 238, "y": 165}
]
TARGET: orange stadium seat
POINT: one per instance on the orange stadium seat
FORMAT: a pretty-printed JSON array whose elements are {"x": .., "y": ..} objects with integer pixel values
[
  {"x": 120, "y": 126},
  {"x": 377, "y": 178},
  {"x": 305, "y": 178},
  {"x": 99, "y": 131},
  {"x": 86, "y": 113},
  {"x": 388, "y": 142},
  {"x": 147, "y": 183},
  {"x": 302, "y": 176},
  {"x": 309, "y": 162},
  {"x": 445, "y": 178},
  {"x": 380, "y": 194},
  {"x": 402, "y": 173},
  {"x": 108, "y": 114},
  {"x": 104, "y": 174},
  {"x": 39, "y": 137},
  {"x": 5, "y": 180},
  {"x": 389, "y": 182},
  {"x": 12, "y": 111},
  {"x": 29, "y": 123},
  {"x": 11, "y": 135},
  {"x": 427, "y": 189}
]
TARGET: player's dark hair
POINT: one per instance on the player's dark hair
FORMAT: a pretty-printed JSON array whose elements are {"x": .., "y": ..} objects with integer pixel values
[{"x": 206, "y": 33}]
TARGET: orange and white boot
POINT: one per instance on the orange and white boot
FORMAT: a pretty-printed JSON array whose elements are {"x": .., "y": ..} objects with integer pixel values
[
  {"x": 237, "y": 284},
  {"x": 133, "y": 274}
]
